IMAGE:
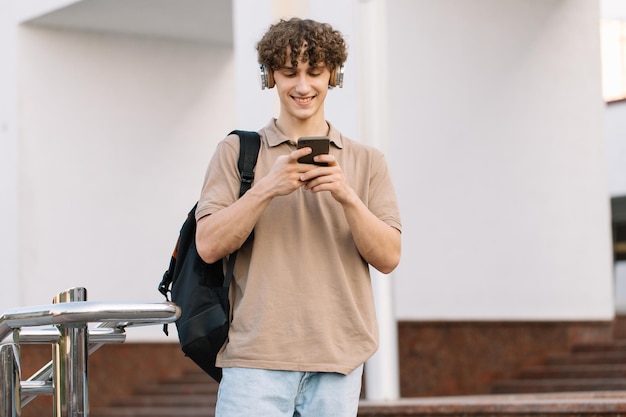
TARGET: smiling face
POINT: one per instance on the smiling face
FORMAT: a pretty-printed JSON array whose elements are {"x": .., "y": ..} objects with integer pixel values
[
  {"x": 300, "y": 54},
  {"x": 302, "y": 91}
]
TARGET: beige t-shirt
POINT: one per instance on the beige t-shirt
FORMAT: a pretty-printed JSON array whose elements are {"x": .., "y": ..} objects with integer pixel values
[{"x": 301, "y": 296}]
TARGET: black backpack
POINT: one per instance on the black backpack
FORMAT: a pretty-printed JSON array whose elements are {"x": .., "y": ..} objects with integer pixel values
[{"x": 201, "y": 289}]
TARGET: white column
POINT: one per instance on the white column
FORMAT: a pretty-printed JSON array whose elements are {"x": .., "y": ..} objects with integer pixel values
[
  {"x": 9, "y": 241},
  {"x": 382, "y": 370}
]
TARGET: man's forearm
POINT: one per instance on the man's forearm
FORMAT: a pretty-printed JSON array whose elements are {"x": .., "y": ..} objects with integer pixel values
[
  {"x": 223, "y": 232},
  {"x": 378, "y": 243}
]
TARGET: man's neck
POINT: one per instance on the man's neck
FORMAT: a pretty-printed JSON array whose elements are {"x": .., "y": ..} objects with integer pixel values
[{"x": 295, "y": 129}]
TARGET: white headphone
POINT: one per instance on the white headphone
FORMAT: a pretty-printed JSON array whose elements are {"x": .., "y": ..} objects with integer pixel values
[{"x": 267, "y": 78}]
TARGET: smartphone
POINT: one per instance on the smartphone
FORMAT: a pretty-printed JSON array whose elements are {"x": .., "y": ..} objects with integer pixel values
[{"x": 319, "y": 144}]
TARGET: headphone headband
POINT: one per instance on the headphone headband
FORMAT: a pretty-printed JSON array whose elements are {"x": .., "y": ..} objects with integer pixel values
[{"x": 267, "y": 78}]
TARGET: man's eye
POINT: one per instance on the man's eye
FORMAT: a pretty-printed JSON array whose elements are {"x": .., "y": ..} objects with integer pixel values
[
  {"x": 315, "y": 73},
  {"x": 289, "y": 74}
]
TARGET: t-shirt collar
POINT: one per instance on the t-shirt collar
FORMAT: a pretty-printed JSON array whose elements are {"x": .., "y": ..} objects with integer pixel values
[{"x": 275, "y": 137}]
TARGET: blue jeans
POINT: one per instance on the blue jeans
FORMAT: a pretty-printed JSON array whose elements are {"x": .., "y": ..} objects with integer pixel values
[{"x": 246, "y": 392}]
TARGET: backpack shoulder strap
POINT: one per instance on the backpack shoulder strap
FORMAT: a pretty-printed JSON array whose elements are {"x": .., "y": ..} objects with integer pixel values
[
  {"x": 250, "y": 142},
  {"x": 249, "y": 151}
]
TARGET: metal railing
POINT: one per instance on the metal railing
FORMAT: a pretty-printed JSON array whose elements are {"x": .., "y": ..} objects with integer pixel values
[{"x": 64, "y": 324}]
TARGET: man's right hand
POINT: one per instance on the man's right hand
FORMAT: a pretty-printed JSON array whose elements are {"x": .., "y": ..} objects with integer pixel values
[{"x": 284, "y": 177}]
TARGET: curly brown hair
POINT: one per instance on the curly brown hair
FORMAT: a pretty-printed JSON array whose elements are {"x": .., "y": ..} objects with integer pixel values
[{"x": 305, "y": 39}]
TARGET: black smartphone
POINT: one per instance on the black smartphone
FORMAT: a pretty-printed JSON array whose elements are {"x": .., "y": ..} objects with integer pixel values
[{"x": 319, "y": 144}]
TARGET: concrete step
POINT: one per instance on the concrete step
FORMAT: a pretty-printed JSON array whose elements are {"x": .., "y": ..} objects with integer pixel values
[
  {"x": 588, "y": 358},
  {"x": 154, "y": 412},
  {"x": 591, "y": 404},
  {"x": 179, "y": 388},
  {"x": 559, "y": 385},
  {"x": 193, "y": 377},
  {"x": 195, "y": 400},
  {"x": 574, "y": 371},
  {"x": 613, "y": 346}
]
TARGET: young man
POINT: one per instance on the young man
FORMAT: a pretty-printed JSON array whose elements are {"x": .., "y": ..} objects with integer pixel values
[{"x": 303, "y": 319}]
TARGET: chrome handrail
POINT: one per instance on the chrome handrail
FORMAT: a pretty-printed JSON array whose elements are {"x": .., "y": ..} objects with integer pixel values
[
  {"x": 65, "y": 377},
  {"x": 123, "y": 314}
]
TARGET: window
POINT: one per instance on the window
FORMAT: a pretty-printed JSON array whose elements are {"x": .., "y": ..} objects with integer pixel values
[{"x": 613, "y": 49}]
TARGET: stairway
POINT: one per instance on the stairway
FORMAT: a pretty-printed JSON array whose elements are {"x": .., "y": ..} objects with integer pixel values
[
  {"x": 592, "y": 367},
  {"x": 590, "y": 380},
  {"x": 191, "y": 395}
]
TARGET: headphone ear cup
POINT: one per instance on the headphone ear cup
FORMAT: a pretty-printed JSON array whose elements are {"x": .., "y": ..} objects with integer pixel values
[
  {"x": 267, "y": 78},
  {"x": 336, "y": 77}
]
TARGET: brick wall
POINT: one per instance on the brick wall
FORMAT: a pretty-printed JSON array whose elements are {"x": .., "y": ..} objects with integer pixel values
[{"x": 460, "y": 358}]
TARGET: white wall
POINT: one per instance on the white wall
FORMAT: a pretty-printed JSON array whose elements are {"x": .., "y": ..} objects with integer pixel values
[
  {"x": 498, "y": 152},
  {"x": 9, "y": 295},
  {"x": 117, "y": 132},
  {"x": 496, "y": 148}
]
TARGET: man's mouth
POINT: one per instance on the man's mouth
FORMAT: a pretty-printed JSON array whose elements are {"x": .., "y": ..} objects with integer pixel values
[{"x": 303, "y": 100}]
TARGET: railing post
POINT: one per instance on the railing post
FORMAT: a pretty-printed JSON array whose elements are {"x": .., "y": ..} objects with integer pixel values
[
  {"x": 10, "y": 377},
  {"x": 69, "y": 357},
  {"x": 65, "y": 377}
]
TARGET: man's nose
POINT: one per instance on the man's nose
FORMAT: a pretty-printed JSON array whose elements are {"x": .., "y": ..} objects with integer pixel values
[{"x": 303, "y": 83}]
